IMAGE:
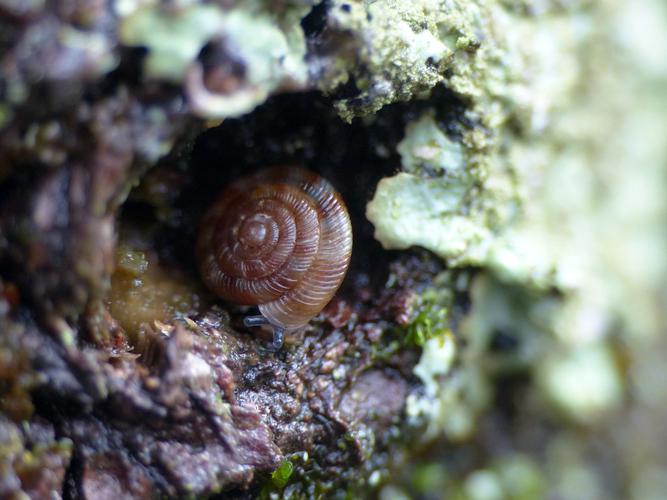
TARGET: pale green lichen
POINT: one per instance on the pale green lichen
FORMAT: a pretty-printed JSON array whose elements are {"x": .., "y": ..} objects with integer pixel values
[
  {"x": 271, "y": 57},
  {"x": 408, "y": 210},
  {"x": 173, "y": 38},
  {"x": 403, "y": 49},
  {"x": 460, "y": 193},
  {"x": 483, "y": 484},
  {"x": 451, "y": 398},
  {"x": 427, "y": 147},
  {"x": 564, "y": 212},
  {"x": 435, "y": 203},
  {"x": 436, "y": 360},
  {"x": 398, "y": 52},
  {"x": 522, "y": 212},
  {"x": 429, "y": 329},
  {"x": 471, "y": 194},
  {"x": 515, "y": 477},
  {"x": 584, "y": 383}
]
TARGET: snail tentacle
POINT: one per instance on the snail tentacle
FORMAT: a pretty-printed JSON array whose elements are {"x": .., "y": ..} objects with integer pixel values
[{"x": 250, "y": 321}]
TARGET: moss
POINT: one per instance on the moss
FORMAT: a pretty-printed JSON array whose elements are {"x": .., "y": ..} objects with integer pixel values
[
  {"x": 431, "y": 317},
  {"x": 280, "y": 477},
  {"x": 289, "y": 472},
  {"x": 427, "y": 325}
]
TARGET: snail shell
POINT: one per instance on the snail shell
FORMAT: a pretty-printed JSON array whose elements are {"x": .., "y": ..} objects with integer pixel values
[{"x": 280, "y": 239}]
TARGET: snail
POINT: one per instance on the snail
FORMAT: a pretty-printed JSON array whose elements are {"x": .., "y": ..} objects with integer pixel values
[{"x": 280, "y": 239}]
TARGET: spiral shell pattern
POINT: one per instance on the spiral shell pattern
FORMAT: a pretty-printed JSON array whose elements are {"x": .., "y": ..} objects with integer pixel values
[{"x": 280, "y": 239}]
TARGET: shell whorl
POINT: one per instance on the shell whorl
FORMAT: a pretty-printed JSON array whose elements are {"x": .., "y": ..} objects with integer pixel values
[{"x": 280, "y": 239}]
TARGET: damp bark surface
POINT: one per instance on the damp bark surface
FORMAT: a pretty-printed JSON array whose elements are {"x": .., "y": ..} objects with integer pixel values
[{"x": 122, "y": 376}]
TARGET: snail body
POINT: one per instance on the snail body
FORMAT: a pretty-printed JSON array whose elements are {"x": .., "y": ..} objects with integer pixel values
[{"x": 279, "y": 239}]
